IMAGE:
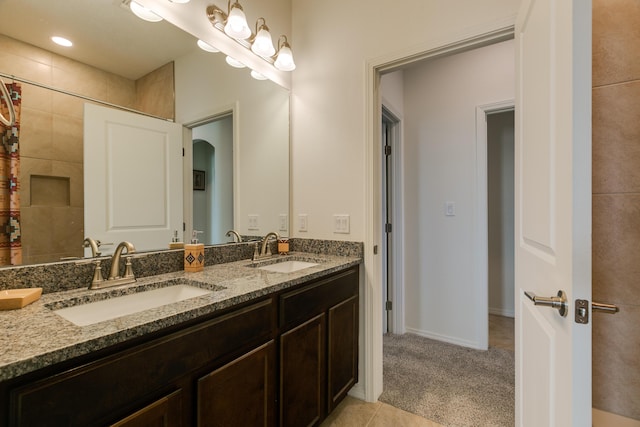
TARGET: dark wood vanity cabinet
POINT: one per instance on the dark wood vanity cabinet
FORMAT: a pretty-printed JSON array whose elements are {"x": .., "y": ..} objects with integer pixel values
[
  {"x": 318, "y": 348},
  {"x": 240, "y": 393},
  {"x": 150, "y": 381},
  {"x": 287, "y": 359}
]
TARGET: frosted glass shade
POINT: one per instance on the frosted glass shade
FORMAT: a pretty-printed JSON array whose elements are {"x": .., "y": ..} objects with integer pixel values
[
  {"x": 236, "y": 25},
  {"x": 284, "y": 61},
  {"x": 262, "y": 44}
]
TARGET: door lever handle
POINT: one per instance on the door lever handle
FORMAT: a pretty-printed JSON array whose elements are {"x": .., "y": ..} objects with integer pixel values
[
  {"x": 607, "y": 308},
  {"x": 558, "y": 302},
  {"x": 582, "y": 309}
]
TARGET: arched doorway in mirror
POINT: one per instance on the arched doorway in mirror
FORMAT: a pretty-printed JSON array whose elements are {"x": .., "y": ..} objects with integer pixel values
[{"x": 213, "y": 179}]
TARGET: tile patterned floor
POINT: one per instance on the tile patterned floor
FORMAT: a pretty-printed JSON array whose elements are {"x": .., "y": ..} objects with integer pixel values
[{"x": 356, "y": 413}]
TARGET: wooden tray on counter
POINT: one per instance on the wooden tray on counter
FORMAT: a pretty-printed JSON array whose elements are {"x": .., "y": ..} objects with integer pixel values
[{"x": 11, "y": 299}]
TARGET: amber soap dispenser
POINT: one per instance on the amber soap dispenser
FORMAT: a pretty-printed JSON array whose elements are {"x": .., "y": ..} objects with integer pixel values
[{"x": 194, "y": 254}]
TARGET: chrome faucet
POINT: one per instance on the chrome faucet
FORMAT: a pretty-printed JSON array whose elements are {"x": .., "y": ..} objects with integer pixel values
[
  {"x": 236, "y": 236},
  {"x": 265, "y": 250}
]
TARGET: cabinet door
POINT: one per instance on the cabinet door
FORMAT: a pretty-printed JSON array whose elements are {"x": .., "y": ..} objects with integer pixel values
[
  {"x": 302, "y": 374},
  {"x": 165, "y": 412},
  {"x": 342, "y": 350},
  {"x": 241, "y": 393}
]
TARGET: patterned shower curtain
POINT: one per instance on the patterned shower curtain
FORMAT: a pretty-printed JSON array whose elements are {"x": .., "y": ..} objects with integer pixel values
[{"x": 10, "y": 242}]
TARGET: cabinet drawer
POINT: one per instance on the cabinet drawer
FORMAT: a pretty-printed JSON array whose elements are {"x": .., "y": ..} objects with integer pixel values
[
  {"x": 101, "y": 391},
  {"x": 308, "y": 301}
]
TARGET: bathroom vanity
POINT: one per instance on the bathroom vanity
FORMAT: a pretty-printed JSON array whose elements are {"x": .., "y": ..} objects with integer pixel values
[{"x": 265, "y": 348}]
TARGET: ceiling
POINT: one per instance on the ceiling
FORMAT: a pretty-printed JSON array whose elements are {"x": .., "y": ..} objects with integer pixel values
[{"x": 105, "y": 33}]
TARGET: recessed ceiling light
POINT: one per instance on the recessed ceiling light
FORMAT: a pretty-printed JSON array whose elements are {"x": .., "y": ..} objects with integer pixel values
[
  {"x": 234, "y": 62},
  {"x": 207, "y": 47},
  {"x": 61, "y": 41},
  {"x": 144, "y": 13},
  {"x": 179, "y": 1},
  {"x": 258, "y": 76}
]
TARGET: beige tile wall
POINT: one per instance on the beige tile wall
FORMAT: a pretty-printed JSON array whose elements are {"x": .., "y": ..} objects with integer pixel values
[
  {"x": 51, "y": 138},
  {"x": 616, "y": 205}
]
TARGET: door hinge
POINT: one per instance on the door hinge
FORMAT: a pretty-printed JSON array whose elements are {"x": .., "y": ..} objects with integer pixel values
[
  {"x": 184, "y": 227},
  {"x": 387, "y": 228},
  {"x": 388, "y": 306},
  {"x": 183, "y": 152},
  {"x": 387, "y": 150}
]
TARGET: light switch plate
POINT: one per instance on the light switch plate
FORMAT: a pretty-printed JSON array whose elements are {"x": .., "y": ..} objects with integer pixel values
[
  {"x": 254, "y": 222},
  {"x": 283, "y": 221},
  {"x": 303, "y": 222},
  {"x": 341, "y": 224},
  {"x": 450, "y": 208}
]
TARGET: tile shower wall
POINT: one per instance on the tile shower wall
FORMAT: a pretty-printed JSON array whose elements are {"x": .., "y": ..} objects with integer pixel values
[
  {"x": 51, "y": 141},
  {"x": 616, "y": 205}
]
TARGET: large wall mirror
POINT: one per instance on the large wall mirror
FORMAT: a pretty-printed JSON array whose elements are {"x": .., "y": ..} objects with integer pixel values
[{"x": 151, "y": 67}]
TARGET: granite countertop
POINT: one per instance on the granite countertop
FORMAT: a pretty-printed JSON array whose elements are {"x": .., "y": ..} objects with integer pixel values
[{"x": 35, "y": 337}]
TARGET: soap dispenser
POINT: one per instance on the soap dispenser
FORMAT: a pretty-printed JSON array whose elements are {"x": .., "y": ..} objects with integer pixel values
[
  {"x": 175, "y": 242},
  {"x": 194, "y": 254}
]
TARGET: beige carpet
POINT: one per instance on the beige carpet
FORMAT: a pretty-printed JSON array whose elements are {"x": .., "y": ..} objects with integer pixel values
[{"x": 448, "y": 384}]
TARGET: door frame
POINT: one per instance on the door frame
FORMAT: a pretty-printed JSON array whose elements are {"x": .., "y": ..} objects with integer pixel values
[
  {"x": 395, "y": 264},
  {"x": 481, "y": 268},
  {"x": 187, "y": 161},
  {"x": 372, "y": 385}
]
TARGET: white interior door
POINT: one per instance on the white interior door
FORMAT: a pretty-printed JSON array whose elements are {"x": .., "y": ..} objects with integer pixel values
[
  {"x": 132, "y": 178},
  {"x": 553, "y": 210}
]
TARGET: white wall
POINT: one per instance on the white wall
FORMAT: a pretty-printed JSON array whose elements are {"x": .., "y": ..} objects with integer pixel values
[
  {"x": 392, "y": 92},
  {"x": 333, "y": 43},
  {"x": 332, "y": 40},
  {"x": 500, "y": 200},
  {"x": 205, "y": 86},
  {"x": 441, "y": 97}
]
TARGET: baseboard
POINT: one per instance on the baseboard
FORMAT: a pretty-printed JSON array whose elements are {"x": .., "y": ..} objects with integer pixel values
[
  {"x": 445, "y": 338},
  {"x": 502, "y": 312},
  {"x": 607, "y": 419},
  {"x": 357, "y": 391}
]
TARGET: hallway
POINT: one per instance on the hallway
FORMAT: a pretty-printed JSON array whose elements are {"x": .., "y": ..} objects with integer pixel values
[{"x": 356, "y": 413}]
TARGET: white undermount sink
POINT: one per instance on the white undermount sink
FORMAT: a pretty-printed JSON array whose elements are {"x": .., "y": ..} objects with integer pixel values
[
  {"x": 287, "y": 266},
  {"x": 111, "y": 308}
]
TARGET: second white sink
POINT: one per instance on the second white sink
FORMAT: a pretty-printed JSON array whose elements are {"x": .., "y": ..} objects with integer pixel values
[
  {"x": 287, "y": 266},
  {"x": 99, "y": 311}
]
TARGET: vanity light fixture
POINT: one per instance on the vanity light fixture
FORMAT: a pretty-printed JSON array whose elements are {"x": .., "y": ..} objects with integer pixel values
[
  {"x": 284, "y": 57},
  {"x": 260, "y": 44},
  {"x": 143, "y": 12},
  {"x": 61, "y": 41},
  {"x": 236, "y": 26},
  {"x": 206, "y": 47}
]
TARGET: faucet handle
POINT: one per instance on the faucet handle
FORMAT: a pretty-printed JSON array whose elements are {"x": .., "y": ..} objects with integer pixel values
[
  {"x": 256, "y": 252},
  {"x": 128, "y": 269},
  {"x": 97, "y": 275}
]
